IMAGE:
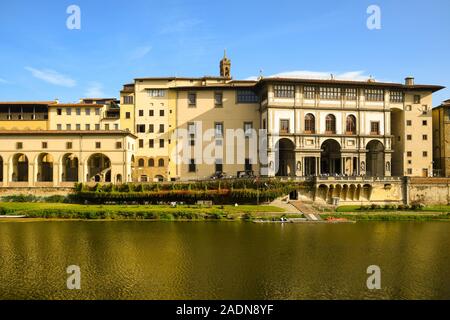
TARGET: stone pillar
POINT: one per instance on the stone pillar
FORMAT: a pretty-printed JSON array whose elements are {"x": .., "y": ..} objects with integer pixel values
[
  {"x": 299, "y": 165},
  {"x": 362, "y": 164},
  {"x": 32, "y": 173},
  {"x": 318, "y": 169},
  {"x": 6, "y": 175},
  {"x": 387, "y": 164}
]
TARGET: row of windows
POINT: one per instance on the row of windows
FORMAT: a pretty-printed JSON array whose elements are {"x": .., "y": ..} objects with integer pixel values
[
  {"x": 151, "y": 113},
  {"x": 409, "y": 122},
  {"x": 141, "y": 128},
  {"x": 69, "y": 145},
  {"x": 87, "y": 127},
  {"x": 330, "y": 125},
  {"x": 336, "y": 93},
  {"x": 219, "y": 166},
  {"x": 151, "y": 143},
  {"x": 242, "y": 96},
  {"x": 409, "y": 154},
  {"x": 409, "y": 137},
  {"x": 87, "y": 111},
  {"x": 150, "y": 163}
]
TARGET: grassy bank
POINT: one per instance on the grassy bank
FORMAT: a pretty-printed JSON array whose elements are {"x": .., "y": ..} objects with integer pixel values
[
  {"x": 391, "y": 216},
  {"x": 391, "y": 208},
  {"x": 150, "y": 212}
]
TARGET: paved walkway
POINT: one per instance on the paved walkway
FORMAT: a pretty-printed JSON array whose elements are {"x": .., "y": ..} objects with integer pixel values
[
  {"x": 288, "y": 207},
  {"x": 308, "y": 211}
]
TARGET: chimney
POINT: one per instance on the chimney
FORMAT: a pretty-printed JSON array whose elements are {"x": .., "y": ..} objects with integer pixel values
[{"x": 409, "y": 81}]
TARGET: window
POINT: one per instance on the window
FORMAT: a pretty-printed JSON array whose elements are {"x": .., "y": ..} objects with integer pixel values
[
  {"x": 408, "y": 122},
  {"x": 310, "y": 92},
  {"x": 424, "y": 110},
  {"x": 87, "y": 127},
  {"x": 59, "y": 127},
  {"x": 330, "y": 124},
  {"x": 127, "y": 115},
  {"x": 118, "y": 145},
  {"x": 264, "y": 124},
  {"x": 161, "y": 163},
  {"x": 98, "y": 145},
  {"x": 417, "y": 98},
  {"x": 374, "y": 95},
  {"x": 151, "y": 162},
  {"x": 375, "y": 128},
  {"x": 116, "y": 126},
  {"x": 97, "y": 126},
  {"x": 156, "y": 93},
  {"x": 351, "y": 124},
  {"x": 59, "y": 111},
  {"x": 192, "y": 99},
  {"x": 78, "y": 111},
  {"x": 192, "y": 166},
  {"x": 329, "y": 93},
  {"x": 409, "y": 137},
  {"x": 218, "y": 99},
  {"x": 78, "y": 126},
  {"x": 191, "y": 131},
  {"x": 106, "y": 126},
  {"x": 246, "y": 96},
  {"x": 284, "y": 91},
  {"x": 19, "y": 145},
  {"x": 161, "y": 113},
  {"x": 425, "y": 154},
  {"x": 161, "y": 128},
  {"x": 424, "y": 137},
  {"x": 44, "y": 145},
  {"x": 248, "y": 129},
  {"x": 151, "y": 143},
  {"x": 218, "y": 127},
  {"x": 151, "y": 128},
  {"x": 408, "y": 108},
  {"x": 68, "y": 127},
  {"x": 141, "y": 113},
  {"x": 310, "y": 123},
  {"x": 161, "y": 143},
  {"x": 140, "y": 128},
  {"x": 284, "y": 125},
  {"x": 219, "y": 165},
  {"x": 87, "y": 111},
  {"x": 151, "y": 113},
  {"x": 69, "y": 111},
  {"x": 409, "y": 171},
  {"x": 141, "y": 143},
  {"x": 350, "y": 93},
  {"x": 397, "y": 96},
  {"x": 68, "y": 145},
  {"x": 248, "y": 165},
  {"x": 144, "y": 178},
  {"x": 128, "y": 100},
  {"x": 141, "y": 163},
  {"x": 97, "y": 111},
  {"x": 424, "y": 122},
  {"x": 409, "y": 154}
]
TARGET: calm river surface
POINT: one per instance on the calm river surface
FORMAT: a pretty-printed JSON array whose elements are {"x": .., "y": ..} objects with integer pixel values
[{"x": 165, "y": 260}]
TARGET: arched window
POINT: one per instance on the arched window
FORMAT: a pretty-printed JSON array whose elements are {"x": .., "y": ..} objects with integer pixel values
[
  {"x": 151, "y": 162},
  {"x": 330, "y": 124},
  {"x": 161, "y": 163},
  {"x": 310, "y": 123},
  {"x": 141, "y": 162},
  {"x": 351, "y": 124}
]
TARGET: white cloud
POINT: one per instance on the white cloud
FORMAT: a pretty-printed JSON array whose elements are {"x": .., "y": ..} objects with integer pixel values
[
  {"x": 140, "y": 52},
  {"x": 304, "y": 74},
  {"x": 95, "y": 90},
  {"x": 52, "y": 77},
  {"x": 180, "y": 26},
  {"x": 3, "y": 81}
]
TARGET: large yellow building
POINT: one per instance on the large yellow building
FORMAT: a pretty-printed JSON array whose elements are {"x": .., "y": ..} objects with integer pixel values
[{"x": 441, "y": 139}]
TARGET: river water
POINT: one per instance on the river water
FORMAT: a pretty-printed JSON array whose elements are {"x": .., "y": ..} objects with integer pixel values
[{"x": 224, "y": 260}]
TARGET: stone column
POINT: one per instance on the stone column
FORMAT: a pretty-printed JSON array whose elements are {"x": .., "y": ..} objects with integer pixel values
[
  {"x": 299, "y": 165},
  {"x": 32, "y": 173},
  {"x": 387, "y": 164}
]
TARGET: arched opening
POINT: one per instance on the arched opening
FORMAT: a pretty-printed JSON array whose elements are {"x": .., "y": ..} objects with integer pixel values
[
  {"x": 99, "y": 168},
  {"x": 70, "y": 168},
  {"x": 20, "y": 168},
  {"x": 330, "y": 124},
  {"x": 350, "y": 125},
  {"x": 159, "y": 178},
  {"x": 286, "y": 156},
  {"x": 119, "y": 178},
  {"x": 45, "y": 168},
  {"x": 161, "y": 163},
  {"x": 331, "y": 157},
  {"x": 151, "y": 162},
  {"x": 322, "y": 192},
  {"x": 310, "y": 123},
  {"x": 1, "y": 169},
  {"x": 141, "y": 163},
  {"x": 375, "y": 159}
]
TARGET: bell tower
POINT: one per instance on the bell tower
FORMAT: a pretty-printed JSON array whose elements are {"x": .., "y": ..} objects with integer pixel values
[{"x": 225, "y": 66}]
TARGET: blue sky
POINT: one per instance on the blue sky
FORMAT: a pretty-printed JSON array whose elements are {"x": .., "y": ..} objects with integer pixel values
[{"x": 42, "y": 59}]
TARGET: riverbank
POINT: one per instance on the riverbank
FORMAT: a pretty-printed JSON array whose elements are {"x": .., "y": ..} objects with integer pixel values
[{"x": 66, "y": 211}]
